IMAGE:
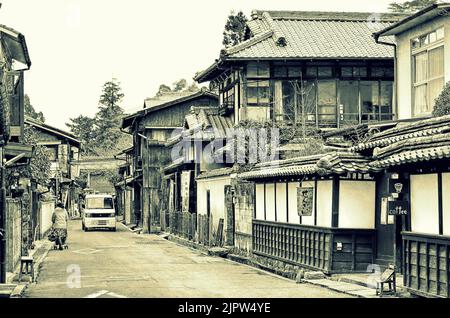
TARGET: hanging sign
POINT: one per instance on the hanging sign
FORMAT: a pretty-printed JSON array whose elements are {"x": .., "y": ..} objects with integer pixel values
[
  {"x": 398, "y": 208},
  {"x": 305, "y": 197}
]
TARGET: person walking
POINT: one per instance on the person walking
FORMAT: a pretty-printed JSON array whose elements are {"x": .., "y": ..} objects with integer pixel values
[{"x": 60, "y": 221}]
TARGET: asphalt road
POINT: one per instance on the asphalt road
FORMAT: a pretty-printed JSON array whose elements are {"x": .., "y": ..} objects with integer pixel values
[{"x": 102, "y": 264}]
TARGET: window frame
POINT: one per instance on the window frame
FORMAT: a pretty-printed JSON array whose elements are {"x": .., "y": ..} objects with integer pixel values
[{"x": 426, "y": 48}]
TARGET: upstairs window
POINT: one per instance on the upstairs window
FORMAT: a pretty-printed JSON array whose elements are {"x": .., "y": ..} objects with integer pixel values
[
  {"x": 428, "y": 70},
  {"x": 258, "y": 70}
]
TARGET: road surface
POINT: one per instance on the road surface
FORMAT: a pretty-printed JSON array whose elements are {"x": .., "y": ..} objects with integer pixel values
[{"x": 103, "y": 264}]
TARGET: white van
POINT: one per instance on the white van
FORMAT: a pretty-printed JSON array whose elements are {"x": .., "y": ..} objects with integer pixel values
[{"x": 99, "y": 212}]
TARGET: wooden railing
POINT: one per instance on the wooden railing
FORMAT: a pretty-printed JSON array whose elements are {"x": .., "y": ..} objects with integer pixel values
[
  {"x": 426, "y": 264},
  {"x": 330, "y": 250}
]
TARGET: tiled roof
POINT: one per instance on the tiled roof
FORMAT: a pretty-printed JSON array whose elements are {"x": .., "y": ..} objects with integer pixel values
[
  {"x": 325, "y": 164},
  {"x": 152, "y": 105},
  {"x": 412, "y": 156},
  {"x": 296, "y": 34},
  {"x": 404, "y": 131},
  {"x": 216, "y": 173}
]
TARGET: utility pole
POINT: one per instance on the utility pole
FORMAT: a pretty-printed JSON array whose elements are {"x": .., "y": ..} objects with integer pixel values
[{"x": 2, "y": 219}]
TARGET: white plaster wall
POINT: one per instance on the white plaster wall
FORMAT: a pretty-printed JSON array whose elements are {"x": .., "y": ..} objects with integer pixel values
[
  {"x": 446, "y": 203},
  {"x": 270, "y": 202},
  {"x": 259, "y": 202},
  {"x": 47, "y": 209},
  {"x": 357, "y": 204},
  {"x": 293, "y": 213},
  {"x": 424, "y": 204},
  {"x": 324, "y": 202},
  {"x": 404, "y": 62},
  {"x": 281, "y": 202},
  {"x": 216, "y": 186}
]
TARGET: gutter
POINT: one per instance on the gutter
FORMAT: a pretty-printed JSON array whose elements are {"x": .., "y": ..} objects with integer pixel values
[{"x": 377, "y": 40}]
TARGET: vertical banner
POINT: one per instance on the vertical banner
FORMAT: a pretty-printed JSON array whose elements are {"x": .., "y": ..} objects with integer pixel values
[{"x": 185, "y": 190}]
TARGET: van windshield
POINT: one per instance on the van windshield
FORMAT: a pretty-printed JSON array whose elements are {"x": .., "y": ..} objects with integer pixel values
[{"x": 99, "y": 203}]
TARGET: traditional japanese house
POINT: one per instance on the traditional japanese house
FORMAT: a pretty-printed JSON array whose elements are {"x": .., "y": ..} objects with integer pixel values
[
  {"x": 124, "y": 189},
  {"x": 317, "y": 212},
  {"x": 14, "y": 61},
  {"x": 151, "y": 128},
  {"x": 415, "y": 155},
  {"x": 193, "y": 150},
  {"x": 316, "y": 68},
  {"x": 63, "y": 151},
  {"x": 412, "y": 214},
  {"x": 422, "y": 44}
]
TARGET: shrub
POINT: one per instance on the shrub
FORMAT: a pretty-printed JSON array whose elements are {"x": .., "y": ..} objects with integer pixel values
[{"x": 442, "y": 105}]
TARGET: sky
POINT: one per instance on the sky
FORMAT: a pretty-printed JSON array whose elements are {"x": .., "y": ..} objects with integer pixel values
[{"x": 77, "y": 45}]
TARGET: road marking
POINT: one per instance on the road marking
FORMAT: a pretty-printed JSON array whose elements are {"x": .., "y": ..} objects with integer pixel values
[
  {"x": 97, "y": 294},
  {"x": 104, "y": 293},
  {"x": 87, "y": 251}
]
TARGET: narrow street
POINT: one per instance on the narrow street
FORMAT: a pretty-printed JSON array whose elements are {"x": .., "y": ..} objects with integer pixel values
[{"x": 124, "y": 264}]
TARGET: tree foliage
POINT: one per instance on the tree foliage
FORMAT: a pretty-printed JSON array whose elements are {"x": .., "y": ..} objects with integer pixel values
[
  {"x": 39, "y": 168},
  {"x": 31, "y": 111},
  {"x": 101, "y": 134},
  {"x": 179, "y": 85},
  {"x": 84, "y": 128},
  {"x": 442, "y": 105},
  {"x": 235, "y": 27},
  {"x": 109, "y": 116},
  {"x": 410, "y": 6}
]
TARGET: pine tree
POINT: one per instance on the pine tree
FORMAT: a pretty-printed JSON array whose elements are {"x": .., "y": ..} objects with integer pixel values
[
  {"x": 108, "y": 118},
  {"x": 442, "y": 105},
  {"x": 234, "y": 29}
]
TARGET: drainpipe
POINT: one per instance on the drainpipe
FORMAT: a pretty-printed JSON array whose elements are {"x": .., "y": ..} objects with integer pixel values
[
  {"x": 2, "y": 220},
  {"x": 377, "y": 40}
]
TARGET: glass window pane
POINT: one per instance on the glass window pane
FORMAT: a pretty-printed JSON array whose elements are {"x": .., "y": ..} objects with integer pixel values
[
  {"x": 424, "y": 40},
  {"x": 295, "y": 71},
  {"x": 309, "y": 99},
  {"x": 436, "y": 62},
  {"x": 360, "y": 72},
  {"x": 325, "y": 71},
  {"x": 263, "y": 70},
  {"x": 349, "y": 100},
  {"x": 280, "y": 71},
  {"x": 415, "y": 43},
  {"x": 288, "y": 100},
  {"x": 311, "y": 71},
  {"x": 327, "y": 93},
  {"x": 386, "y": 100},
  {"x": 347, "y": 71},
  {"x": 252, "y": 70},
  {"x": 421, "y": 67},
  {"x": 420, "y": 99},
  {"x": 327, "y": 102},
  {"x": 433, "y": 37},
  {"x": 369, "y": 100}
]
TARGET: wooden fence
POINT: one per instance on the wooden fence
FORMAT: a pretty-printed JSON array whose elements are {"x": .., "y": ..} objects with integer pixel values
[
  {"x": 426, "y": 264},
  {"x": 330, "y": 250}
]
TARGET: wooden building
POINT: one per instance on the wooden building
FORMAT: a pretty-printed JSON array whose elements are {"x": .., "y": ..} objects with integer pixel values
[
  {"x": 317, "y": 212},
  {"x": 192, "y": 155},
  {"x": 315, "y": 68},
  {"x": 412, "y": 214},
  {"x": 63, "y": 151},
  {"x": 151, "y": 128}
]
